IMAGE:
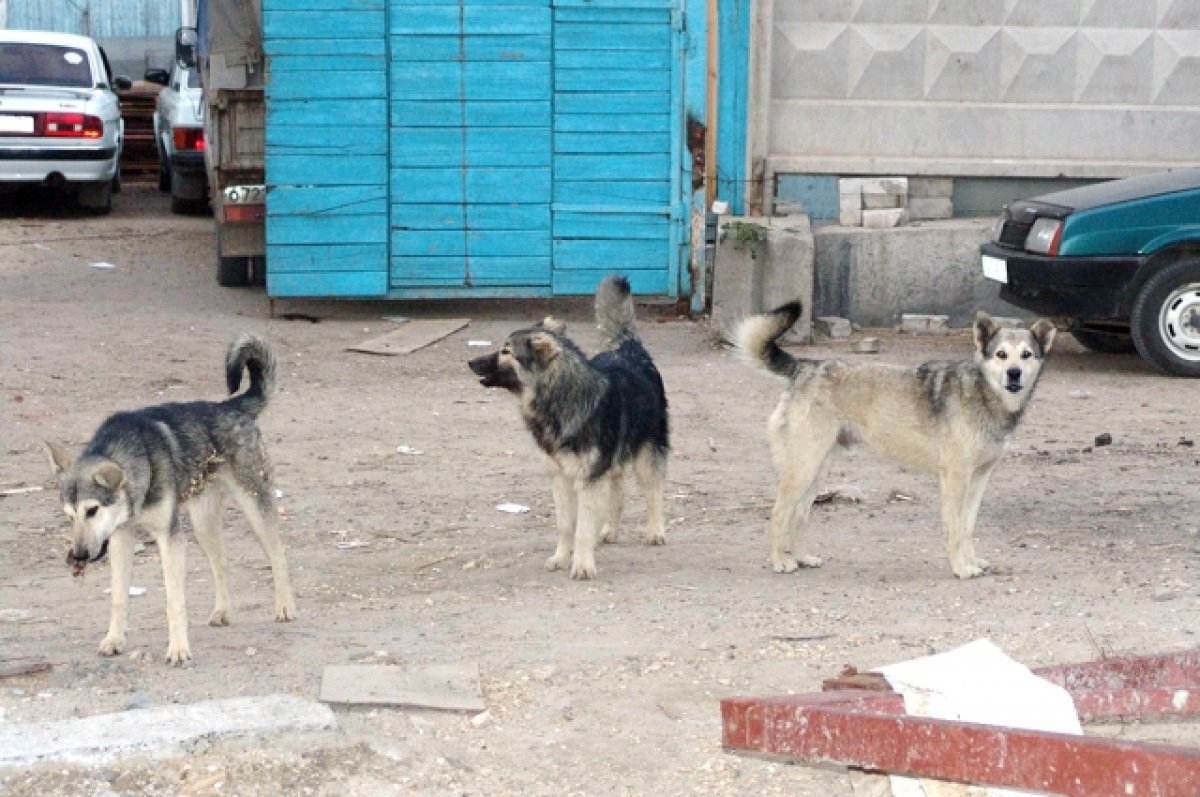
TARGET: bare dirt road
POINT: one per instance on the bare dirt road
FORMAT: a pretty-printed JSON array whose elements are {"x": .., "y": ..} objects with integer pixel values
[{"x": 607, "y": 687}]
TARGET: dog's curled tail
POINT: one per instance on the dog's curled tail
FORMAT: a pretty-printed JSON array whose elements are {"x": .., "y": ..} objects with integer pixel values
[
  {"x": 757, "y": 339},
  {"x": 254, "y": 355},
  {"x": 614, "y": 311}
]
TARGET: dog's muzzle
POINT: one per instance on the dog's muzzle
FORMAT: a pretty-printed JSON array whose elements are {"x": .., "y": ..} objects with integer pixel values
[
  {"x": 77, "y": 558},
  {"x": 493, "y": 374},
  {"x": 1014, "y": 380}
]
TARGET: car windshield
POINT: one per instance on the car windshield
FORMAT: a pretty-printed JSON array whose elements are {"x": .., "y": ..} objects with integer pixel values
[{"x": 26, "y": 64}]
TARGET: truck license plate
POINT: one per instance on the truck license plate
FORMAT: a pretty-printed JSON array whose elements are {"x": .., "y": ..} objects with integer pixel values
[
  {"x": 245, "y": 194},
  {"x": 995, "y": 268}
]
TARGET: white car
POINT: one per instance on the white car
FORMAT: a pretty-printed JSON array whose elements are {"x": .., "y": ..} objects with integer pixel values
[
  {"x": 60, "y": 121},
  {"x": 179, "y": 133}
]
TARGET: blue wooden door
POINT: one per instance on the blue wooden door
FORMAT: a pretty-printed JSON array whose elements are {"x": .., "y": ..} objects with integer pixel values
[{"x": 534, "y": 146}]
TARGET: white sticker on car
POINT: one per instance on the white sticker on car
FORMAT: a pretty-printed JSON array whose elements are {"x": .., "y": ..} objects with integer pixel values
[{"x": 995, "y": 268}]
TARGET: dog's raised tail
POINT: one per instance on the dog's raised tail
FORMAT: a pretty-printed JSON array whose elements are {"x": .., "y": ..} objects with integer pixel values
[
  {"x": 614, "y": 311},
  {"x": 252, "y": 354},
  {"x": 757, "y": 339}
]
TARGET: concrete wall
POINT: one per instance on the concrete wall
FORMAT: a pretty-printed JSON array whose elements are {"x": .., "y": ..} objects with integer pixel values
[
  {"x": 761, "y": 270},
  {"x": 1021, "y": 88},
  {"x": 873, "y": 276}
]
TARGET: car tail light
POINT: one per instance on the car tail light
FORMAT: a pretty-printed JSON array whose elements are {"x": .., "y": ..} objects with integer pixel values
[
  {"x": 72, "y": 125},
  {"x": 1044, "y": 236},
  {"x": 191, "y": 138},
  {"x": 245, "y": 213}
]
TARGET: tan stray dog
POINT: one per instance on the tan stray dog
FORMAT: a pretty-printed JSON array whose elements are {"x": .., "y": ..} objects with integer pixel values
[{"x": 949, "y": 418}]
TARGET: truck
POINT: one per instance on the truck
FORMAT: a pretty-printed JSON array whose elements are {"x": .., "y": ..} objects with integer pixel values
[{"x": 226, "y": 46}]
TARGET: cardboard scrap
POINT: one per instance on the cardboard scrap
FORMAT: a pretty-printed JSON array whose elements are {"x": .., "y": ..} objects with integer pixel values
[
  {"x": 451, "y": 687},
  {"x": 409, "y": 337}
]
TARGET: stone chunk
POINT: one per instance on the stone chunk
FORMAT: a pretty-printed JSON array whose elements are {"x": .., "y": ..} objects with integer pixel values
[
  {"x": 927, "y": 207},
  {"x": 850, "y": 210},
  {"x": 918, "y": 324},
  {"x": 942, "y": 187},
  {"x": 832, "y": 326},
  {"x": 884, "y": 219}
]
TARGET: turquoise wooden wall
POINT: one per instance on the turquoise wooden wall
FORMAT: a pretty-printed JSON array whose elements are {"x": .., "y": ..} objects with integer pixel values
[
  {"x": 474, "y": 147},
  {"x": 96, "y": 18}
]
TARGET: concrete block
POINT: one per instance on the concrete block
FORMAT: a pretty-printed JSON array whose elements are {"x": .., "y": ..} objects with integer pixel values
[
  {"x": 159, "y": 732},
  {"x": 930, "y": 187},
  {"x": 1008, "y": 322},
  {"x": 922, "y": 324},
  {"x": 883, "y": 201},
  {"x": 850, "y": 185},
  {"x": 850, "y": 210},
  {"x": 752, "y": 277},
  {"x": 885, "y": 185},
  {"x": 883, "y": 219},
  {"x": 930, "y": 207},
  {"x": 832, "y": 326}
]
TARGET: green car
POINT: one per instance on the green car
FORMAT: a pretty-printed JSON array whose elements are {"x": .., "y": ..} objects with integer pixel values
[{"x": 1118, "y": 263}]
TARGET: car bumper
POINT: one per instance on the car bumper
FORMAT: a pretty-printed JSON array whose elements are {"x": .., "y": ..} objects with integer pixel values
[
  {"x": 1089, "y": 288},
  {"x": 189, "y": 161},
  {"x": 36, "y": 165}
]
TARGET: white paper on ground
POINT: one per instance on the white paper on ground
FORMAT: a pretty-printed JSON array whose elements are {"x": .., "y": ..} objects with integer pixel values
[{"x": 977, "y": 682}]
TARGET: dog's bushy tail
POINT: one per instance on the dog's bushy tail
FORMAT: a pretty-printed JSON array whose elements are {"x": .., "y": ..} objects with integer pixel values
[
  {"x": 254, "y": 355},
  {"x": 614, "y": 311},
  {"x": 757, "y": 339}
]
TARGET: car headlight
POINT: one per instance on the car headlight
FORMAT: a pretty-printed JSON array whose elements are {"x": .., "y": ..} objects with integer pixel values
[{"x": 1044, "y": 236}]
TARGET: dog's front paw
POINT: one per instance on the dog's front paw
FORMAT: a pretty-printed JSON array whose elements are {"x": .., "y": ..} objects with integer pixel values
[
  {"x": 610, "y": 535},
  {"x": 972, "y": 570},
  {"x": 285, "y": 611},
  {"x": 583, "y": 571},
  {"x": 178, "y": 654},
  {"x": 656, "y": 538},
  {"x": 810, "y": 561},
  {"x": 784, "y": 564},
  {"x": 558, "y": 562},
  {"x": 111, "y": 645},
  {"x": 219, "y": 617}
]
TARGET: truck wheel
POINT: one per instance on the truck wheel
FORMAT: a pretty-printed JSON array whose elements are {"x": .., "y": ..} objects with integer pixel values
[
  {"x": 233, "y": 272},
  {"x": 164, "y": 178},
  {"x": 1104, "y": 342},
  {"x": 95, "y": 197},
  {"x": 1166, "y": 319}
]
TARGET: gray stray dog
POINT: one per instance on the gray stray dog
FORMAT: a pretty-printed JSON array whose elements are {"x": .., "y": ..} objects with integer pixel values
[
  {"x": 949, "y": 418},
  {"x": 142, "y": 466}
]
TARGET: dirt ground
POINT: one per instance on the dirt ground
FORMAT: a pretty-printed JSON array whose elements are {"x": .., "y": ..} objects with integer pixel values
[{"x": 606, "y": 687}]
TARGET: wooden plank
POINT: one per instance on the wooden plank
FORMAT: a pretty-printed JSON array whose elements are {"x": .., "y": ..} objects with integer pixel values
[
  {"x": 281, "y": 46},
  {"x": 583, "y": 282},
  {"x": 401, "y": 8},
  {"x": 336, "y": 199},
  {"x": 590, "y": 36},
  {"x": 413, "y": 271},
  {"x": 429, "y": 243},
  {"x": 342, "y": 141},
  {"x": 497, "y": 184},
  {"x": 326, "y": 229},
  {"x": 614, "y": 123},
  {"x": 326, "y": 113},
  {"x": 324, "y": 257},
  {"x": 453, "y": 687},
  {"x": 665, "y": 4},
  {"x": 325, "y": 169},
  {"x": 442, "y": 146},
  {"x": 612, "y": 80},
  {"x": 461, "y": 243},
  {"x": 451, "y": 113},
  {"x": 505, "y": 80},
  {"x": 612, "y": 194},
  {"x": 798, "y": 729},
  {"x": 615, "y": 166},
  {"x": 346, "y": 24},
  {"x": 485, "y": 271},
  {"x": 323, "y": 5},
  {"x": 332, "y": 63},
  {"x": 602, "y": 62},
  {"x": 427, "y": 216},
  {"x": 407, "y": 338},
  {"x": 610, "y": 15},
  {"x": 329, "y": 284},
  {"x": 582, "y": 143},
  {"x": 459, "y": 291},
  {"x": 415, "y": 49},
  {"x": 571, "y": 254},
  {"x": 430, "y": 216},
  {"x": 606, "y": 104},
  {"x": 361, "y": 85},
  {"x": 610, "y": 225}
]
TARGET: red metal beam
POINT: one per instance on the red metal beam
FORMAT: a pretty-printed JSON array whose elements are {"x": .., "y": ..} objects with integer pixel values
[{"x": 848, "y": 729}]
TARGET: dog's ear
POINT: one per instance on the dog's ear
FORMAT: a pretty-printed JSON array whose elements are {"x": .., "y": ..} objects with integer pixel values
[
  {"x": 555, "y": 325},
  {"x": 60, "y": 460},
  {"x": 545, "y": 348},
  {"x": 1043, "y": 332},
  {"x": 985, "y": 328},
  {"x": 109, "y": 476}
]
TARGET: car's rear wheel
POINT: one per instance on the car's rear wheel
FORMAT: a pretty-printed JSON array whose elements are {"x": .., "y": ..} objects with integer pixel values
[
  {"x": 1166, "y": 319},
  {"x": 164, "y": 177},
  {"x": 1104, "y": 341},
  {"x": 95, "y": 197}
]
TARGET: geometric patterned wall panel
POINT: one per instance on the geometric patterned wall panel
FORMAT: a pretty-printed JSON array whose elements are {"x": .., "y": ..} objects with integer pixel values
[{"x": 963, "y": 86}]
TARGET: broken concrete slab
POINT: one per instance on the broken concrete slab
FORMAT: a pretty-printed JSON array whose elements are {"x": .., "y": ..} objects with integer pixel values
[
  {"x": 884, "y": 219},
  {"x": 923, "y": 324},
  {"x": 411, "y": 336},
  {"x": 159, "y": 732},
  {"x": 451, "y": 687},
  {"x": 832, "y": 326}
]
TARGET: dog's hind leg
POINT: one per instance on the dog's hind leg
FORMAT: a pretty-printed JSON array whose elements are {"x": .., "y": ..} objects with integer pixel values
[
  {"x": 205, "y": 511},
  {"x": 120, "y": 562},
  {"x": 593, "y": 504},
  {"x": 800, "y": 476},
  {"x": 264, "y": 520},
  {"x": 565, "y": 510},
  {"x": 963, "y": 560},
  {"x": 616, "y": 506},
  {"x": 650, "y": 469}
]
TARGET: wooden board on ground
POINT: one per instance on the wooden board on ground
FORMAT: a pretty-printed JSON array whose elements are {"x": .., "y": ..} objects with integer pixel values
[
  {"x": 452, "y": 687},
  {"x": 410, "y": 336}
]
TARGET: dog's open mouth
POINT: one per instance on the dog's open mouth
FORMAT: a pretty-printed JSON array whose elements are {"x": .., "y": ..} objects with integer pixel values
[
  {"x": 79, "y": 565},
  {"x": 1013, "y": 387}
]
